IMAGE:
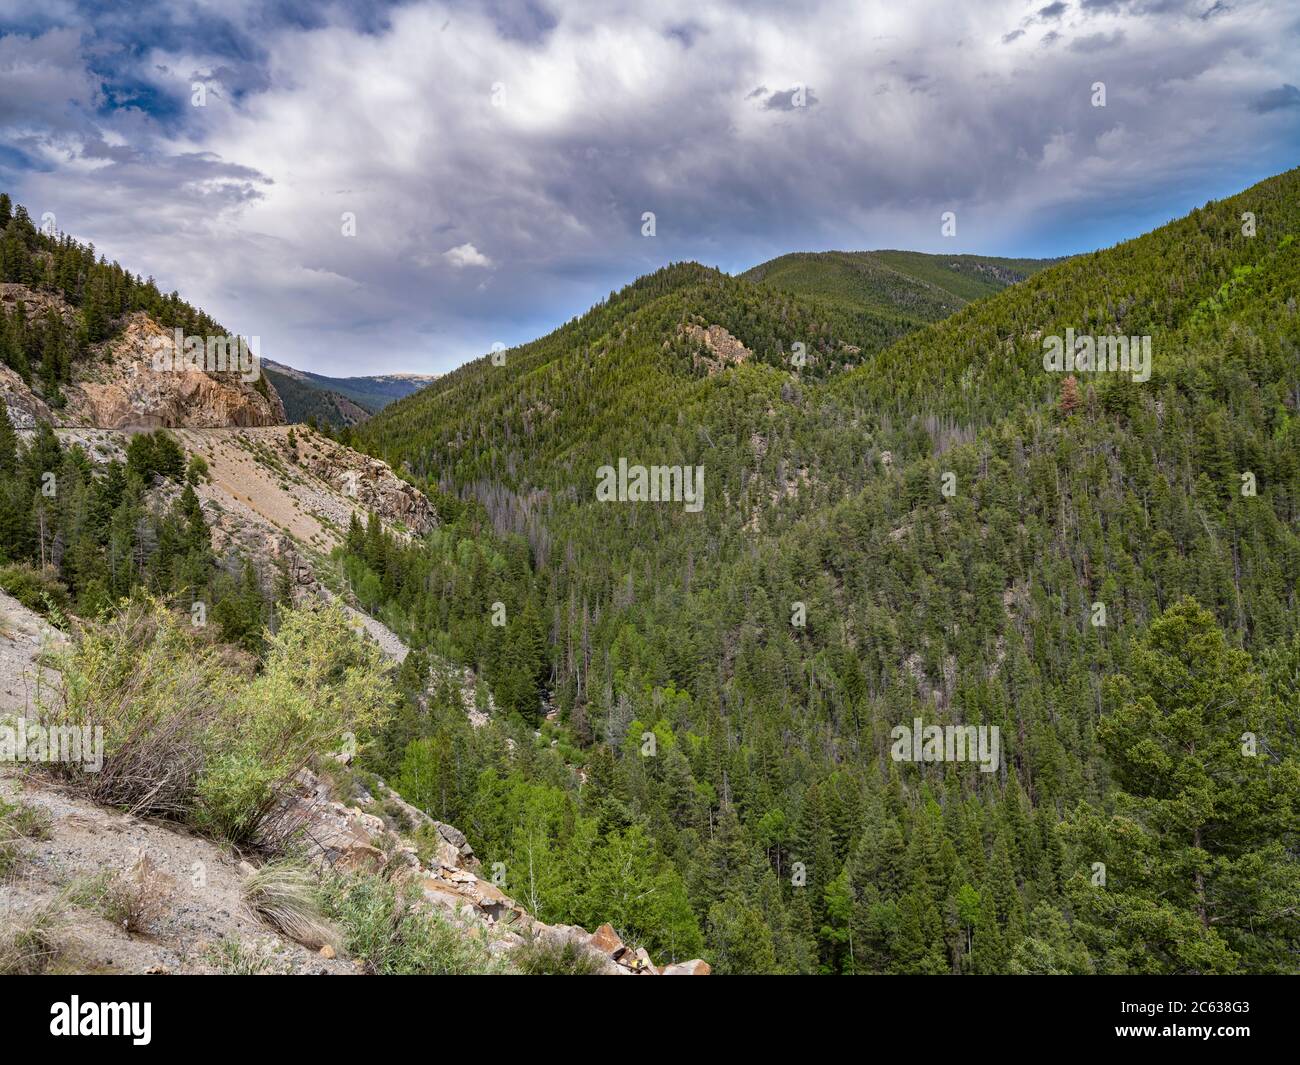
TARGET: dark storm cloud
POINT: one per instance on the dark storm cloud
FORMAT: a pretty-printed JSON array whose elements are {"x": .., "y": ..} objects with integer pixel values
[
  {"x": 499, "y": 163},
  {"x": 685, "y": 32},
  {"x": 1276, "y": 99}
]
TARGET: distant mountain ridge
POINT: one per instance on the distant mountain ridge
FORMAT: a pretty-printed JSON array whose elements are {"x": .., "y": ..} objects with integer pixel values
[
  {"x": 910, "y": 287},
  {"x": 339, "y": 401}
]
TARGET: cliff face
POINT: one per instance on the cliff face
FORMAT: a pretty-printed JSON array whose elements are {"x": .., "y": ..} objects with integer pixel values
[
  {"x": 124, "y": 388},
  {"x": 138, "y": 379}
]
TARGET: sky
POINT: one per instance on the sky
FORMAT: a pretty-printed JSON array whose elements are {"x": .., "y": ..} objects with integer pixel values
[{"x": 374, "y": 187}]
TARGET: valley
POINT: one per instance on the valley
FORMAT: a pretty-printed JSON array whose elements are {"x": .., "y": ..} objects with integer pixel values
[{"x": 591, "y": 695}]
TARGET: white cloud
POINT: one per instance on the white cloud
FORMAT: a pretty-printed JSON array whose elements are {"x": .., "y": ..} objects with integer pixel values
[{"x": 466, "y": 255}]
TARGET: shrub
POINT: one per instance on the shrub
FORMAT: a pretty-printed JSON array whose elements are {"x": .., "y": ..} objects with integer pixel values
[
  {"x": 29, "y": 942},
  {"x": 10, "y": 852},
  {"x": 395, "y": 936},
  {"x": 197, "y": 470},
  {"x": 134, "y": 900},
  {"x": 551, "y": 956},
  {"x": 37, "y": 589},
  {"x": 158, "y": 695},
  {"x": 25, "y": 820},
  {"x": 320, "y": 681},
  {"x": 230, "y": 957},
  {"x": 188, "y": 737},
  {"x": 19, "y": 822}
]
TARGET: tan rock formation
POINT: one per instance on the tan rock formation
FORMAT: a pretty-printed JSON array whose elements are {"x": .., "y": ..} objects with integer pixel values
[
  {"x": 122, "y": 388},
  {"x": 724, "y": 349},
  {"x": 136, "y": 380}
]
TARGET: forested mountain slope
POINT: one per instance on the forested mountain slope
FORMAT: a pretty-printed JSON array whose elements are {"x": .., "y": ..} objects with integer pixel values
[
  {"x": 910, "y": 287},
  {"x": 304, "y": 401},
  {"x": 1105, "y": 568},
  {"x": 84, "y": 342}
]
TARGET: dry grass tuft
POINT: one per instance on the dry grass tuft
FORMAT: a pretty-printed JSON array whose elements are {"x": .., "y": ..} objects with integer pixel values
[
  {"x": 29, "y": 942},
  {"x": 286, "y": 895}
]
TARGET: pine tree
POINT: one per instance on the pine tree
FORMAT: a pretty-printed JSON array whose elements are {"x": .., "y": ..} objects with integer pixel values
[
  {"x": 1069, "y": 396},
  {"x": 1199, "y": 861},
  {"x": 8, "y": 444}
]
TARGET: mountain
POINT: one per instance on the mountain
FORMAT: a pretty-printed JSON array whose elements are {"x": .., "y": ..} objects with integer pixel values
[
  {"x": 841, "y": 307},
  {"x": 304, "y": 401},
  {"x": 338, "y": 401},
  {"x": 766, "y": 630},
  {"x": 174, "y": 592},
  {"x": 901, "y": 289},
  {"x": 84, "y": 342},
  {"x": 899, "y": 522}
]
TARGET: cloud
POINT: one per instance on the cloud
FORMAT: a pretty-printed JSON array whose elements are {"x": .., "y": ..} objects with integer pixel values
[
  {"x": 1053, "y": 10},
  {"x": 1096, "y": 42},
  {"x": 790, "y": 99},
  {"x": 1276, "y": 99},
  {"x": 43, "y": 86},
  {"x": 484, "y": 217},
  {"x": 466, "y": 255}
]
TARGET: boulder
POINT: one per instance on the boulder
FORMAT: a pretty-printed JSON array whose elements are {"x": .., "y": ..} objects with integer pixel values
[
  {"x": 695, "y": 967},
  {"x": 360, "y": 856},
  {"x": 606, "y": 940}
]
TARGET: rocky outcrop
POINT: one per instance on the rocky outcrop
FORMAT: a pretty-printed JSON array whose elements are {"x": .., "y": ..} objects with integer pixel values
[
  {"x": 447, "y": 872},
  {"x": 36, "y": 303},
  {"x": 23, "y": 406},
  {"x": 138, "y": 379},
  {"x": 368, "y": 482},
  {"x": 123, "y": 387},
  {"x": 722, "y": 348}
]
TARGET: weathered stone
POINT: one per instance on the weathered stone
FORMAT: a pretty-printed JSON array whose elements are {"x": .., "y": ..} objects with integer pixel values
[
  {"x": 443, "y": 895},
  {"x": 725, "y": 349},
  {"x": 695, "y": 967},
  {"x": 347, "y": 837},
  {"x": 361, "y": 856},
  {"x": 606, "y": 940}
]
